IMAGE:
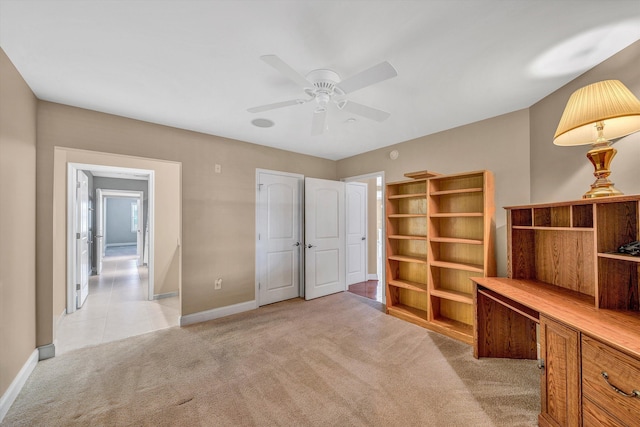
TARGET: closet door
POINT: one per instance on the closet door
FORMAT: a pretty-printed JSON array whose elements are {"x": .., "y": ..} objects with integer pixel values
[
  {"x": 324, "y": 237},
  {"x": 279, "y": 245}
]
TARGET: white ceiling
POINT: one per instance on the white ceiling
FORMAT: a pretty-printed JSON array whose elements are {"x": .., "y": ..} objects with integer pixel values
[{"x": 195, "y": 64}]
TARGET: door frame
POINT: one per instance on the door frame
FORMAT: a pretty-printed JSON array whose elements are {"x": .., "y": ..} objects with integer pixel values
[
  {"x": 383, "y": 268},
  {"x": 72, "y": 169},
  {"x": 123, "y": 194},
  {"x": 259, "y": 256}
]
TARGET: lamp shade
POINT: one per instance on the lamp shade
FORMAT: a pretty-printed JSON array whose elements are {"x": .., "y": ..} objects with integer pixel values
[{"x": 607, "y": 101}]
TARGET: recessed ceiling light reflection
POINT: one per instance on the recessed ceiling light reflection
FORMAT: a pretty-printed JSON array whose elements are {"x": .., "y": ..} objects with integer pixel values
[
  {"x": 585, "y": 50},
  {"x": 262, "y": 123}
]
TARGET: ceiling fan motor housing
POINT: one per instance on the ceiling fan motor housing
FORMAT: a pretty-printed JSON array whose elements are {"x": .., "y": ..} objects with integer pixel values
[{"x": 324, "y": 81}]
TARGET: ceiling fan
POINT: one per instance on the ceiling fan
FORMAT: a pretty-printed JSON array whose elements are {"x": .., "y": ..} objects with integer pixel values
[{"x": 325, "y": 86}]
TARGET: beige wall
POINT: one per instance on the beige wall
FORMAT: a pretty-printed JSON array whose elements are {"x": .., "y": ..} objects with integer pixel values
[
  {"x": 500, "y": 144},
  {"x": 218, "y": 210},
  {"x": 17, "y": 222},
  {"x": 167, "y": 217},
  {"x": 564, "y": 173}
]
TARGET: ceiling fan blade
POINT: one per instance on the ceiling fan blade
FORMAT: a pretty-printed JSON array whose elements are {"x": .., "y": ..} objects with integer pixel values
[
  {"x": 375, "y": 74},
  {"x": 273, "y": 106},
  {"x": 286, "y": 70},
  {"x": 319, "y": 121},
  {"x": 364, "y": 111}
]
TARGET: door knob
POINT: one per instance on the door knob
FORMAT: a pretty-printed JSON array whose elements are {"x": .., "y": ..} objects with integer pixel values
[
  {"x": 296, "y": 244},
  {"x": 364, "y": 238},
  {"x": 310, "y": 246}
]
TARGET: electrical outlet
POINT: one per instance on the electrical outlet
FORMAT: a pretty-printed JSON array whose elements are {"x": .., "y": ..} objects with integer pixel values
[{"x": 218, "y": 284}]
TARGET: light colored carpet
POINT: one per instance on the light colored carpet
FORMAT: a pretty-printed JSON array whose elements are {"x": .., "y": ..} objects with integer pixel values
[{"x": 333, "y": 361}]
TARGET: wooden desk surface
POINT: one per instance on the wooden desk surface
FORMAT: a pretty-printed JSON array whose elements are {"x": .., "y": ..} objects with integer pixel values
[{"x": 620, "y": 329}]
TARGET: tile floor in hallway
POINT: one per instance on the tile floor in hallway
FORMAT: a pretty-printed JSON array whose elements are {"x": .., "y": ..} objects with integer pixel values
[
  {"x": 371, "y": 289},
  {"x": 117, "y": 306}
]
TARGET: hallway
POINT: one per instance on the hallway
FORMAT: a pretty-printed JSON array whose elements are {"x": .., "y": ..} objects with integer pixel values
[
  {"x": 117, "y": 306},
  {"x": 371, "y": 289}
]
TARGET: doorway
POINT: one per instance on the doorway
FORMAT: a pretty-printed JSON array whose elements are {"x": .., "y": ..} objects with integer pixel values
[
  {"x": 121, "y": 221},
  {"x": 373, "y": 286},
  {"x": 119, "y": 301}
]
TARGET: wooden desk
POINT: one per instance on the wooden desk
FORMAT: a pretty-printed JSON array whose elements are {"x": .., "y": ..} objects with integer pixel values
[
  {"x": 578, "y": 344},
  {"x": 499, "y": 301}
]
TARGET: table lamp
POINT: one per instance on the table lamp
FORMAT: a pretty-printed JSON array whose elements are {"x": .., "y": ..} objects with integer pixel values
[{"x": 594, "y": 115}]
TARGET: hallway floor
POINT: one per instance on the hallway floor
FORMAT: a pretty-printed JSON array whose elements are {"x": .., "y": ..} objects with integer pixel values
[
  {"x": 117, "y": 306},
  {"x": 371, "y": 289}
]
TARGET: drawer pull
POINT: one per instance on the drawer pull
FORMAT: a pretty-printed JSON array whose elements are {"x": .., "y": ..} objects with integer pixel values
[{"x": 634, "y": 393}]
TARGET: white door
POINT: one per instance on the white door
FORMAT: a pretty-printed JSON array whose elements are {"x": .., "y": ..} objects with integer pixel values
[
  {"x": 99, "y": 237},
  {"x": 82, "y": 238},
  {"x": 356, "y": 224},
  {"x": 324, "y": 237},
  {"x": 279, "y": 244},
  {"x": 139, "y": 237}
]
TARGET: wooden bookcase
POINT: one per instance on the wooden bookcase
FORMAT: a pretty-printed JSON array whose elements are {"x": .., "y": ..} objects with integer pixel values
[
  {"x": 567, "y": 280},
  {"x": 461, "y": 246},
  {"x": 406, "y": 211},
  {"x": 439, "y": 234}
]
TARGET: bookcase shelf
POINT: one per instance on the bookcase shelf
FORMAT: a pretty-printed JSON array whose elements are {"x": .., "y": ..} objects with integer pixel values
[{"x": 439, "y": 235}]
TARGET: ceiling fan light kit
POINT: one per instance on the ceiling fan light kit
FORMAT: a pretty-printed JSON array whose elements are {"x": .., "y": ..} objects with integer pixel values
[{"x": 326, "y": 87}]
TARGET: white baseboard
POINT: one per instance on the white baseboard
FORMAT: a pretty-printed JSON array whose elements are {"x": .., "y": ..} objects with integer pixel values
[
  {"x": 16, "y": 385},
  {"x": 372, "y": 277},
  {"x": 166, "y": 295},
  {"x": 216, "y": 313},
  {"x": 108, "y": 245}
]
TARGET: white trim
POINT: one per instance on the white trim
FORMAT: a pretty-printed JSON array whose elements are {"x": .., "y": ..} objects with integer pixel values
[
  {"x": 166, "y": 295},
  {"x": 216, "y": 313},
  {"x": 16, "y": 385},
  {"x": 121, "y": 244},
  {"x": 372, "y": 276}
]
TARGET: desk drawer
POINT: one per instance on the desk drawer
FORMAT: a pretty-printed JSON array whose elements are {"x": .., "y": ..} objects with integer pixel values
[
  {"x": 623, "y": 372},
  {"x": 593, "y": 416}
]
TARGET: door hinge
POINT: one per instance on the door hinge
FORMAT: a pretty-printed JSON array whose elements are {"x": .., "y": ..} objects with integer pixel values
[
  {"x": 260, "y": 187},
  {"x": 77, "y": 235},
  {"x": 259, "y": 285},
  {"x": 258, "y": 236},
  {"x": 77, "y": 184},
  {"x": 77, "y": 286}
]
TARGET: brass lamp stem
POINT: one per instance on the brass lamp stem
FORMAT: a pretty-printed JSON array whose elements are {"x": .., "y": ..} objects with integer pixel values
[{"x": 601, "y": 155}]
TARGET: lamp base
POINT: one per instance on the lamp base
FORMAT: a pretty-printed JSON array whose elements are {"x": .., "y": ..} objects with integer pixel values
[
  {"x": 601, "y": 192},
  {"x": 600, "y": 157}
]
